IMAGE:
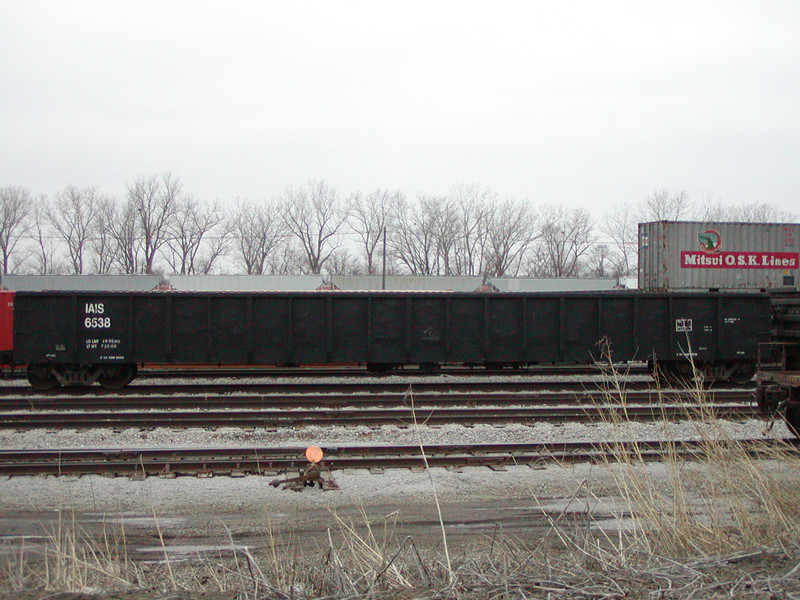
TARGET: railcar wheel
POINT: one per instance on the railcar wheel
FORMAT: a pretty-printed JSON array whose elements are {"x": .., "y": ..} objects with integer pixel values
[
  {"x": 673, "y": 373},
  {"x": 743, "y": 374},
  {"x": 375, "y": 367},
  {"x": 114, "y": 377},
  {"x": 40, "y": 378}
]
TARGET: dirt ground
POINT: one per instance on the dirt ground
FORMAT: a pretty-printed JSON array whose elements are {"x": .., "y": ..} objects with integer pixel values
[
  {"x": 188, "y": 520},
  {"x": 196, "y": 514}
]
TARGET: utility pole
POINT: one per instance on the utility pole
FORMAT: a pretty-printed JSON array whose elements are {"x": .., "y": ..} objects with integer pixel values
[{"x": 383, "y": 271}]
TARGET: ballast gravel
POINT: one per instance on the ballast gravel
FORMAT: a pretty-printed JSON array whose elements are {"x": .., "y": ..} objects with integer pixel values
[
  {"x": 186, "y": 497},
  {"x": 103, "y": 493},
  {"x": 231, "y": 437}
]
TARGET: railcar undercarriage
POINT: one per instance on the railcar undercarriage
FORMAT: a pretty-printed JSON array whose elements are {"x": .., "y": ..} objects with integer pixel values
[{"x": 113, "y": 376}]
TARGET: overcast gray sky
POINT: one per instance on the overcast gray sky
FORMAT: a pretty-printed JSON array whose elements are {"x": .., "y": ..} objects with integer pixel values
[{"x": 575, "y": 103}]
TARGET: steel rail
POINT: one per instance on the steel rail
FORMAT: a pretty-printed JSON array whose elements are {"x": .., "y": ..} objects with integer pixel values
[
  {"x": 270, "y": 461},
  {"x": 351, "y": 417},
  {"x": 337, "y": 400},
  {"x": 385, "y": 385},
  {"x": 361, "y": 371}
]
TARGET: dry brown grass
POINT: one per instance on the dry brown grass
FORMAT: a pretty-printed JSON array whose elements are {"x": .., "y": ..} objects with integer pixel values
[
  {"x": 722, "y": 499},
  {"x": 68, "y": 559}
]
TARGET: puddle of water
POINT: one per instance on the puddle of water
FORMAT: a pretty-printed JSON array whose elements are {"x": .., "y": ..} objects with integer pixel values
[
  {"x": 605, "y": 506},
  {"x": 609, "y": 525},
  {"x": 13, "y": 544},
  {"x": 134, "y": 521}
]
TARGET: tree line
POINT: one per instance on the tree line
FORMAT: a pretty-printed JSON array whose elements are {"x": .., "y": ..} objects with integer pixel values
[{"x": 160, "y": 228}]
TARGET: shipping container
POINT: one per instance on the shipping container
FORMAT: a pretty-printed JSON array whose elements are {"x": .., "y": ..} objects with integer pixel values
[
  {"x": 414, "y": 283},
  {"x": 245, "y": 283},
  {"x": 702, "y": 255},
  {"x": 520, "y": 284},
  {"x": 123, "y": 283}
]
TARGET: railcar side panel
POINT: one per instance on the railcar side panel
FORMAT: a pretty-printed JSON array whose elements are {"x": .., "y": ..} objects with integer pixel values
[
  {"x": 504, "y": 331},
  {"x": 271, "y": 331},
  {"x": 617, "y": 318},
  {"x": 543, "y": 328},
  {"x": 309, "y": 326},
  {"x": 427, "y": 330},
  {"x": 347, "y": 335},
  {"x": 694, "y": 326},
  {"x": 465, "y": 339},
  {"x": 745, "y": 322},
  {"x": 152, "y": 329},
  {"x": 44, "y": 329},
  {"x": 103, "y": 329},
  {"x": 388, "y": 328},
  {"x": 228, "y": 330},
  {"x": 190, "y": 329},
  {"x": 653, "y": 328},
  {"x": 388, "y": 332},
  {"x": 579, "y": 328}
]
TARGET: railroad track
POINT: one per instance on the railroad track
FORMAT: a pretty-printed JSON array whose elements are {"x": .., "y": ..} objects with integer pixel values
[
  {"x": 352, "y": 417},
  {"x": 384, "y": 386},
  {"x": 171, "y": 462},
  {"x": 356, "y": 371},
  {"x": 328, "y": 399}
]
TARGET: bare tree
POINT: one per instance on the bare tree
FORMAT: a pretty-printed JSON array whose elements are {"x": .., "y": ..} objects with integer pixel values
[
  {"x": 314, "y": 216},
  {"x": 753, "y": 212},
  {"x": 510, "y": 233},
  {"x": 72, "y": 215},
  {"x": 15, "y": 208},
  {"x": 764, "y": 212},
  {"x": 663, "y": 206},
  {"x": 447, "y": 232},
  {"x": 342, "y": 262},
  {"x": 102, "y": 243},
  {"x": 215, "y": 247},
  {"x": 45, "y": 241},
  {"x": 257, "y": 236},
  {"x": 621, "y": 228},
  {"x": 125, "y": 235},
  {"x": 369, "y": 217},
  {"x": 565, "y": 236},
  {"x": 188, "y": 233},
  {"x": 601, "y": 262},
  {"x": 414, "y": 239},
  {"x": 288, "y": 259},
  {"x": 154, "y": 201},
  {"x": 476, "y": 206}
]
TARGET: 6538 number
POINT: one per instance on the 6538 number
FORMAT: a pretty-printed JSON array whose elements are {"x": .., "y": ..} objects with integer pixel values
[{"x": 97, "y": 322}]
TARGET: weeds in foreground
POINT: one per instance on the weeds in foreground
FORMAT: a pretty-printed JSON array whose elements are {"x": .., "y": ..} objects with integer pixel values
[
  {"x": 70, "y": 559},
  {"x": 721, "y": 498},
  {"x": 717, "y": 523}
]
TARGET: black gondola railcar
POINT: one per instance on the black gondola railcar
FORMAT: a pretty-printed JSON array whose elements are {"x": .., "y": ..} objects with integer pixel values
[{"x": 82, "y": 337}]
